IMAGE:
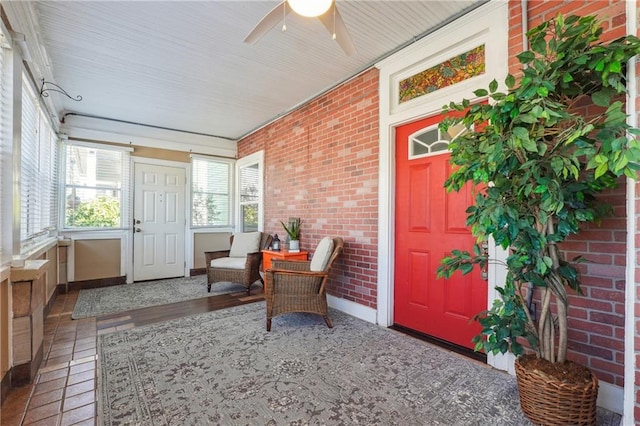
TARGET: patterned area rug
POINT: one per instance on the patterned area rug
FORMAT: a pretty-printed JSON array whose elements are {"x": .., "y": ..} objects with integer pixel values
[
  {"x": 108, "y": 300},
  {"x": 224, "y": 368}
]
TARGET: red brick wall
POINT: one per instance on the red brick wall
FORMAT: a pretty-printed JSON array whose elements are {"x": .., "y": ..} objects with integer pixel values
[
  {"x": 596, "y": 322},
  {"x": 321, "y": 165}
]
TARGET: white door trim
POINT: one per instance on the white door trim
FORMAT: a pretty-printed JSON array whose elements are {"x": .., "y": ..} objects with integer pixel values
[
  {"x": 488, "y": 24},
  {"x": 188, "y": 239}
]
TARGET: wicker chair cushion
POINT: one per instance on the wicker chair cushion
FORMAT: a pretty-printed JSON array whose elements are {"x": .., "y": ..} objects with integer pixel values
[
  {"x": 245, "y": 242},
  {"x": 322, "y": 255},
  {"x": 229, "y": 262}
]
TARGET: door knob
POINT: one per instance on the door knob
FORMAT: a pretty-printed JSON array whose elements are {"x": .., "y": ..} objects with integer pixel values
[
  {"x": 485, "y": 252},
  {"x": 138, "y": 230}
]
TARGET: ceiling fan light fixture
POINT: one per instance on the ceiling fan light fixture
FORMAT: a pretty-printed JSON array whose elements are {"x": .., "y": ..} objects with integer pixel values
[{"x": 310, "y": 8}]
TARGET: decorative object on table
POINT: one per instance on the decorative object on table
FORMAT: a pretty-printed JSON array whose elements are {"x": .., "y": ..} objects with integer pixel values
[
  {"x": 275, "y": 244},
  {"x": 300, "y": 286},
  {"x": 540, "y": 157},
  {"x": 293, "y": 232},
  {"x": 241, "y": 263}
]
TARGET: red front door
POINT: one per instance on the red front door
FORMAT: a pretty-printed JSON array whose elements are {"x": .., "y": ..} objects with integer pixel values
[{"x": 429, "y": 224}]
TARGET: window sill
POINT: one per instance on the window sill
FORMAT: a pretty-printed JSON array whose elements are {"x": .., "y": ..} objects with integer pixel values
[
  {"x": 5, "y": 272},
  {"x": 37, "y": 249}
]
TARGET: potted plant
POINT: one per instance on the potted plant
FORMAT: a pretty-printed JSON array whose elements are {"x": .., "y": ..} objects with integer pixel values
[
  {"x": 293, "y": 231},
  {"x": 539, "y": 162}
]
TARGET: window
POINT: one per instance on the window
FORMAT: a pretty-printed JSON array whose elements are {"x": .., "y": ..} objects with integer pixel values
[
  {"x": 432, "y": 141},
  {"x": 454, "y": 70},
  {"x": 37, "y": 169},
  {"x": 249, "y": 180},
  {"x": 5, "y": 151},
  {"x": 249, "y": 189},
  {"x": 95, "y": 186},
  {"x": 210, "y": 192}
]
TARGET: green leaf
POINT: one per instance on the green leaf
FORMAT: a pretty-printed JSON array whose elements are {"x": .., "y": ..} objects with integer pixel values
[
  {"x": 539, "y": 45},
  {"x": 601, "y": 170},
  {"x": 526, "y": 57},
  {"x": 530, "y": 145},
  {"x": 520, "y": 133},
  {"x": 466, "y": 268},
  {"x": 493, "y": 86},
  {"x": 615, "y": 67},
  {"x": 510, "y": 81},
  {"x": 602, "y": 97}
]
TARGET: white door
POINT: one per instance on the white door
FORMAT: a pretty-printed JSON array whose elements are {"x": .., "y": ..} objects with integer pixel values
[{"x": 159, "y": 222}]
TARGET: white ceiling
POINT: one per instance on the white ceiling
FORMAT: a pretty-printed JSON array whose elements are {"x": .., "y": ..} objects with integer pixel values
[{"x": 183, "y": 64}]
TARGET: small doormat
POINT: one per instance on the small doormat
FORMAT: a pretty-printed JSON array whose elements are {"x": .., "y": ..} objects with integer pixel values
[{"x": 108, "y": 300}]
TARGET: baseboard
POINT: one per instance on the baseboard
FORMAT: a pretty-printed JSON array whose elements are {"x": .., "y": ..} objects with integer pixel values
[
  {"x": 52, "y": 299},
  {"x": 354, "y": 309},
  {"x": 611, "y": 397},
  {"x": 24, "y": 374},
  {"x": 5, "y": 385},
  {"x": 197, "y": 271},
  {"x": 101, "y": 282}
]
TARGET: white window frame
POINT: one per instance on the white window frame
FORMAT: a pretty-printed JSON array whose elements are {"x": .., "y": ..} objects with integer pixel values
[
  {"x": 125, "y": 194},
  {"x": 6, "y": 151},
  {"x": 249, "y": 160},
  {"x": 231, "y": 214}
]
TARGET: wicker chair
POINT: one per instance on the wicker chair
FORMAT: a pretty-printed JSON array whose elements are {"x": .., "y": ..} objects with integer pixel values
[
  {"x": 300, "y": 286},
  {"x": 232, "y": 269}
]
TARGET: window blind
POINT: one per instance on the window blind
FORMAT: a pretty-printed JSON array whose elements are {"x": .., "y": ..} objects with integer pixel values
[
  {"x": 29, "y": 163},
  {"x": 249, "y": 181},
  {"x": 210, "y": 192},
  {"x": 4, "y": 161},
  {"x": 38, "y": 166},
  {"x": 96, "y": 186}
]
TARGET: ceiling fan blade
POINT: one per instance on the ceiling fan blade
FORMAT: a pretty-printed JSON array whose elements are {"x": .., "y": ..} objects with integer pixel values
[
  {"x": 333, "y": 22},
  {"x": 269, "y": 21}
]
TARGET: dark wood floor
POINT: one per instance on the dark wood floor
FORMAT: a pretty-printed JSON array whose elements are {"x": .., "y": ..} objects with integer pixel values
[
  {"x": 154, "y": 314},
  {"x": 64, "y": 391}
]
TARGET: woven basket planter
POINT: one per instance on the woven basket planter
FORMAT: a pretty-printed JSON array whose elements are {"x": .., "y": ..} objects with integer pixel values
[{"x": 546, "y": 401}]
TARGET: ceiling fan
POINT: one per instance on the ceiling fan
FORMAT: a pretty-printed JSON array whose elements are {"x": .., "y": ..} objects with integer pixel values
[{"x": 325, "y": 10}]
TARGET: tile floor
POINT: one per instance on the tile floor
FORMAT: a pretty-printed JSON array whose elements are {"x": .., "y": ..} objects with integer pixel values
[{"x": 64, "y": 390}]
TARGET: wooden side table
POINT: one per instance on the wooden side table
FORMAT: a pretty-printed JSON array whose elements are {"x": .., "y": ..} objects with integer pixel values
[{"x": 268, "y": 255}]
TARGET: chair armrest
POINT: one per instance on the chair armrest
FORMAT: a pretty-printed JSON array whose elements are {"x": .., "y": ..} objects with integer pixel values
[
  {"x": 290, "y": 265},
  {"x": 277, "y": 272},
  {"x": 284, "y": 281},
  {"x": 253, "y": 260},
  {"x": 210, "y": 255}
]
